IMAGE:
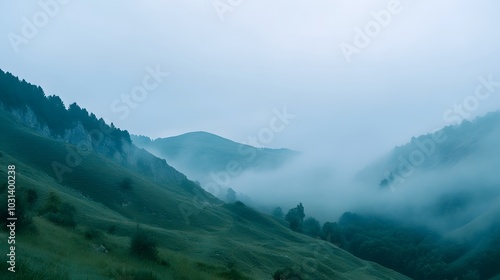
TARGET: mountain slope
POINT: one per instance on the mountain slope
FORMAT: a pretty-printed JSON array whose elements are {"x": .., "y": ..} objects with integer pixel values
[
  {"x": 198, "y": 236},
  {"x": 456, "y": 168},
  {"x": 197, "y": 154},
  {"x": 444, "y": 148},
  {"x": 214, "y": 234},
  {"x": 447, "y": 182}
]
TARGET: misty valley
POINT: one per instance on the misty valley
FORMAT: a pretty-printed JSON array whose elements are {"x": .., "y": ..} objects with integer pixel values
[
  {"x": 93, "y": 201},
  {"x": 249, "y": 140}
]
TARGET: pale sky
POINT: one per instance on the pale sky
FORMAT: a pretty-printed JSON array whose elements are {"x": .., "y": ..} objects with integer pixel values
[{"x": 228, "y": 76}]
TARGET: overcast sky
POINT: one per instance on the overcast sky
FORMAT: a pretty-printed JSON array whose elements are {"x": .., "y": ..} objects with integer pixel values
[{"x": 229, "y": 70}]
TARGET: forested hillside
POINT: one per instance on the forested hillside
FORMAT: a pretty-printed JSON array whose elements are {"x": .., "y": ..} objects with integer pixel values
[{"x": 114, "y": 211}]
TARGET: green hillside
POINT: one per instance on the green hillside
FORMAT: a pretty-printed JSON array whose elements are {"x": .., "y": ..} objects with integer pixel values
[
  {"x": 450, "y": 224},
  {"x": 79, "y": 224}
]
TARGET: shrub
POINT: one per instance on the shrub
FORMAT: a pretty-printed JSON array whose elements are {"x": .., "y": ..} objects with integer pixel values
[
  {"x": 59, "y": 213},
  {"x": 31, "y": 197},
  {"x": 92, "y": 234},
  {"x": 286, "y": 273},
  {"x": 126, "y": 184},
  {"x": 133, "y": 274},
  {"x": 52, "y": 204},
  {"x": 142, "y": 246},
  {"x": 164, "y": 263},
  {"x": 61, "y": 219},
  {"x": 232, "y": 273},
  {"x": 112, "y": 229}
]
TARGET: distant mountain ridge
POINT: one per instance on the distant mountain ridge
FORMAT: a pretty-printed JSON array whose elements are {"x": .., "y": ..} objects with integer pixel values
[
  {"x": 444, "y": 148},
  {"x": 200, "y": 153},
  {"x": 460, "y": 161}
]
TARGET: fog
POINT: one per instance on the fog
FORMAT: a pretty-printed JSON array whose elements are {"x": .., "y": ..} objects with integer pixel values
[
  {"x": 443, "y": 198},
  {"x": 228, "y": 74}
]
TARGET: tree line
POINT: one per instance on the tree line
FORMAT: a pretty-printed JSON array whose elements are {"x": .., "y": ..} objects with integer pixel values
[
  {"x": 414, "y": 251},
  {"x": 50, "y": 110}
]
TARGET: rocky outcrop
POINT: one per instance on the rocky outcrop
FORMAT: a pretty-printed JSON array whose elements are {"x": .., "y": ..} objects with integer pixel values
[
  {"x": 98, "y": 140},
  {"x": 29, "y": 119}
]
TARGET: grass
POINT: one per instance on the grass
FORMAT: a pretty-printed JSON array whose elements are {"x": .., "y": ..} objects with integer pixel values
[{"x": 219, "y": 242}]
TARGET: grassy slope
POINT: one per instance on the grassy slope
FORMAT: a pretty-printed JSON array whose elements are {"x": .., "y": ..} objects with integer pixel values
[{"x": 217, "y": 235}]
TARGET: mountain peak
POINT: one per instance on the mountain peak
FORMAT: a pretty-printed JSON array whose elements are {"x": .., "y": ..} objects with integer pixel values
[{"x": 197, "y": 135}]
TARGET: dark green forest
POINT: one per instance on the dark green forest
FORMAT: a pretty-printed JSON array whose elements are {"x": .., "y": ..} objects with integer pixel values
[
  {"x": 415, "y": 251},
  {"x": 51, "y": 111}
]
